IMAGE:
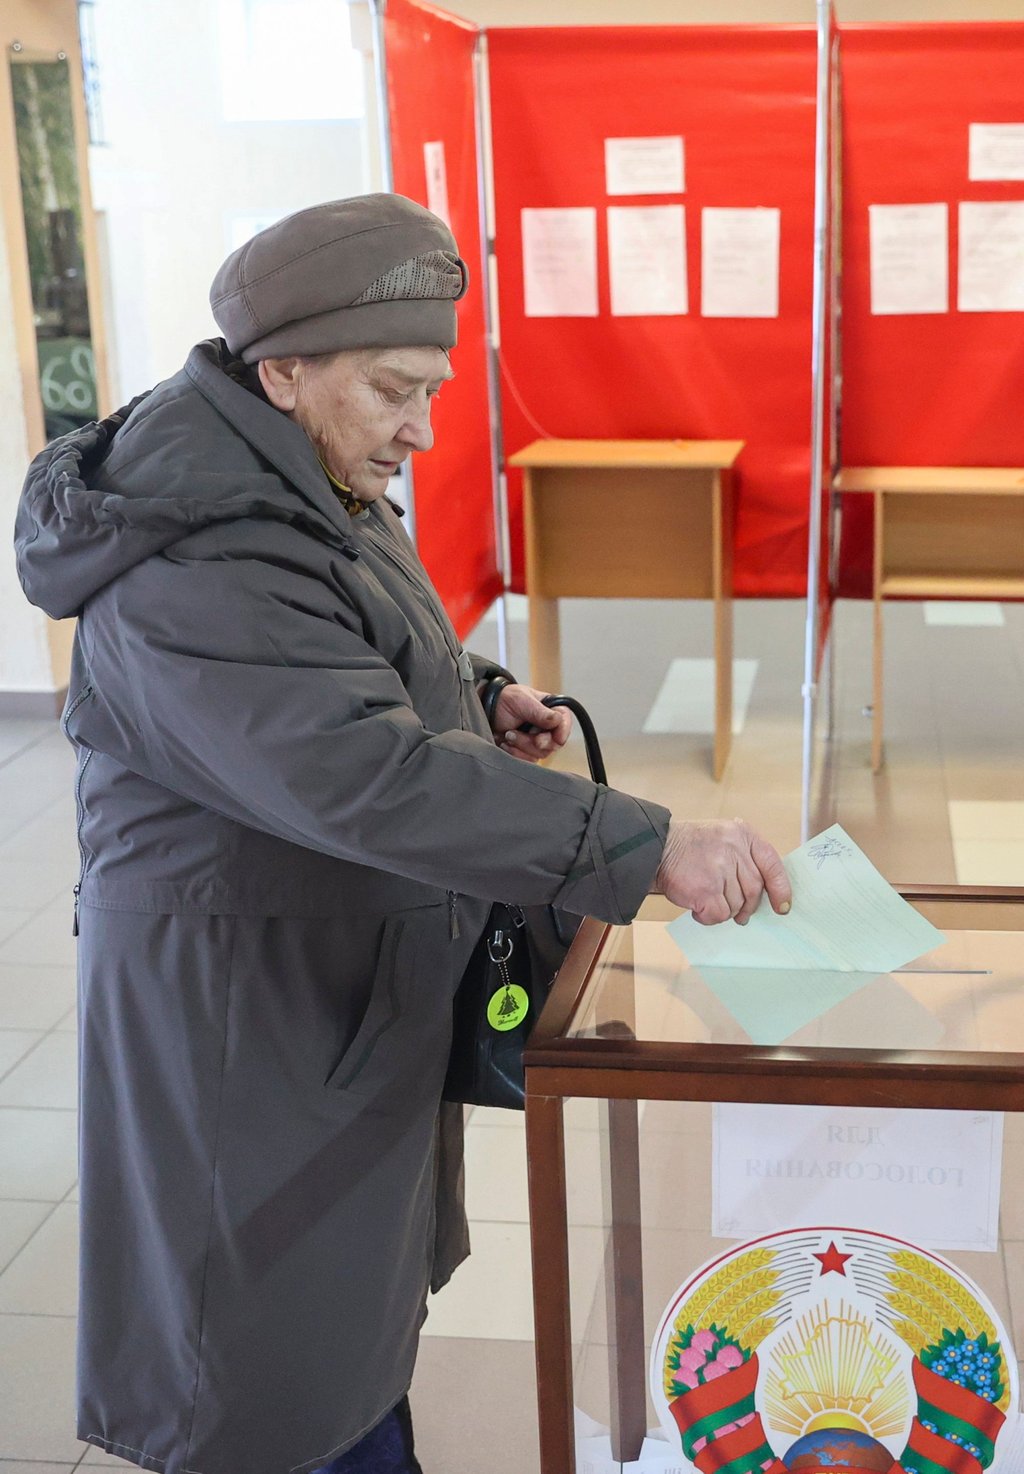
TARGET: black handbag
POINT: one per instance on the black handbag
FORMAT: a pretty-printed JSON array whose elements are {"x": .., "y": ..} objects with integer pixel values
[{"x": 509, "y": 974}]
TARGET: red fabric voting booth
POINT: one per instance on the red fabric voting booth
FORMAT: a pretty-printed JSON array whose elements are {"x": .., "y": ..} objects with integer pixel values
[
  {"x": 431, "y": 98},
  {"x": 936, "y": 389},
  {"x": 743, "y": 99}
]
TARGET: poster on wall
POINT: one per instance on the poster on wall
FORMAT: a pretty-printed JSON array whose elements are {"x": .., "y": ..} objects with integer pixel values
[
  {"x": 437, "y": 181},
  {"x": 995, "y": 151},
  {"x": 740, "y": 262},
  {"x": 909, "y": 259},
  {"x": 647, "y": 260},
  {"x": 560, "y": 262},
  {"x": 831, "y": 1347},
  {"x": 644, "y": 165},
  {"x": 991, "y": 277}
]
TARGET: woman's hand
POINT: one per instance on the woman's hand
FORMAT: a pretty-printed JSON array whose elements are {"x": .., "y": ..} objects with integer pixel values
[
  {"x": 720, "y": 870},
  {"x": 519, "y": 705}
]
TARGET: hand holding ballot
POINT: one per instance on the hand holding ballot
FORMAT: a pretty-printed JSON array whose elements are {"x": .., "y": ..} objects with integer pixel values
[
  {"x": 846, "y": 918},
  {"x": 721, "y": 869}
]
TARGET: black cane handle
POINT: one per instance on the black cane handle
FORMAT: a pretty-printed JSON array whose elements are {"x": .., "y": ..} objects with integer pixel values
[
  {"x": 492, "y": 691},
  {"x": 593, "y": 746}
]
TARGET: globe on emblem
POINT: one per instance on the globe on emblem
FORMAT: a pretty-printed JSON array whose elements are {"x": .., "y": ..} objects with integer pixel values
[{"x": 844, "y": 1449}]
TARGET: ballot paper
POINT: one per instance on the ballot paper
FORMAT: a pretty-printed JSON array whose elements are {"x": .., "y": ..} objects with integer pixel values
[
  {"x": 771, "y": 1012},
  {"x": 845, "y": 918}
]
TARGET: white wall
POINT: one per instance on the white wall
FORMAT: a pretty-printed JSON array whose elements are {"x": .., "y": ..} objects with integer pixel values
[
  {"x": 723, "y": 12},
  {"x": 173, "y": 173}
]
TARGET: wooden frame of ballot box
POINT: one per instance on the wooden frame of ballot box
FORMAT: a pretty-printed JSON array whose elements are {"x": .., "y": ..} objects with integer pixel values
[
  {"x": 941, "y": 532},
  {"x": 616, "y": 1068},
  {"x": 630, "y": 519}
]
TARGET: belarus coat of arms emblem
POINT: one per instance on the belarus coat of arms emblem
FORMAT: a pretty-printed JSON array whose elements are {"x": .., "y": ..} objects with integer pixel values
[{"x": 834, "y": 1349}]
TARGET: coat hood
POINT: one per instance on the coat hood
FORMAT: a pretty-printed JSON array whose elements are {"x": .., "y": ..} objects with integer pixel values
[{"x": 197, "y": 449}]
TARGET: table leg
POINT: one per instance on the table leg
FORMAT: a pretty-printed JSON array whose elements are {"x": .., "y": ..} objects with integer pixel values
[
  {"x": 549, "y": 1239},
  {"x": 544, "y": 634},
  {"x": 722, "y": 583},
  {"x": 627, "y": 1351},
  {"x": 723, "y": 685},
  {"x": 545, "y": 645},
  {"x": 624, "y": 1283}
]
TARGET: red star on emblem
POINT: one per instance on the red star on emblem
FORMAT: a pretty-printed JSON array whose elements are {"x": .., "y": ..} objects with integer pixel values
[{"x": 832, "y": 1261}]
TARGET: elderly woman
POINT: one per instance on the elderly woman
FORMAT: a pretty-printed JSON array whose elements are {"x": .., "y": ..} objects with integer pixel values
[{"x": 293, "y": 816}]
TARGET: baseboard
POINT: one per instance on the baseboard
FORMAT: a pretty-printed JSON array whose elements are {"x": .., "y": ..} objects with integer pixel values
[{"x": 37, "y": 705}]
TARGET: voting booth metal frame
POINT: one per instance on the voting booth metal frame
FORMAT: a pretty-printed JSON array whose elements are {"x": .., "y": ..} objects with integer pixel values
[
  {"x": 462, "y": 537},
  {"x": 621, "y": 1070}
]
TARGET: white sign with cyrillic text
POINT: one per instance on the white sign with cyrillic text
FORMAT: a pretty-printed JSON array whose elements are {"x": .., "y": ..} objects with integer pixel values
[
  {"x": 991, "y": 258},
  {"x": 644, "y": 165},
  {"x": 647, "y": 260},
  {"x": 995, "y": 151},
  {"x": 932, "y": 1177},
  {"x": 560, "y": 262}
]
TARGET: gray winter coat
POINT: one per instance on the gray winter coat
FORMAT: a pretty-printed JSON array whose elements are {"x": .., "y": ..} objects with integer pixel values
[{"x": 292, "y": 819}]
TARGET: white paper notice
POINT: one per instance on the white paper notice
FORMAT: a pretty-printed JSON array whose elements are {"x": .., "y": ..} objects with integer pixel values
[
  {"x": 644, "y": 166},
  {"x": 909, "y": 259},
  {"x": 932, "y": 1177},
  {"x": 560, "y": 263},
  {"x": 995, "y": 151},
  {"x": 437, "y": 180},
  {"x": 991, "y": 257},
  {"x": 647, "y": 260},
  {"x": 739, "y": 270}
]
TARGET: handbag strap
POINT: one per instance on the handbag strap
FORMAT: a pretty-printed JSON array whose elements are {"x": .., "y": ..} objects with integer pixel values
[{"x": 594, "y": 757}]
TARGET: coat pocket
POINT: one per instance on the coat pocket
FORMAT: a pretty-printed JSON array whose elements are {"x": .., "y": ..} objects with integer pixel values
[{"x": 404, "y": 1034}]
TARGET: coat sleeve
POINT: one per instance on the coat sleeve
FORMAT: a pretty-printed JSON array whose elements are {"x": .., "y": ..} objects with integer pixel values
[
  {"x": 484, "y": 668},
  {"x": 250, "y": 688}
]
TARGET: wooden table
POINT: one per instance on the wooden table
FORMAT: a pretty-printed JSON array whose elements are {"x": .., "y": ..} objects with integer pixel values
[
  {"x": 941, "y": 532},
  {"x": 630, "y": 519},
  {"x": 628, "y": 1021}
]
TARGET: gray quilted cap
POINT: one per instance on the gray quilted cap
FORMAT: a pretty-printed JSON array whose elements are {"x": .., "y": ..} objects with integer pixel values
[{"x": 375, "y": 271}]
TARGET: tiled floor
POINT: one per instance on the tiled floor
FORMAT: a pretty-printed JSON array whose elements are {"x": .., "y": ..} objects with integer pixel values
[{"x": 949, "y": 805}]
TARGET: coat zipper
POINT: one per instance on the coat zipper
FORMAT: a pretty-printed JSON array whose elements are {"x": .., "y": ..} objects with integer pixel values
[
  {"x": 81, "y": 848},
  {"x": 83, "y": 695},
  {"x": 379, "y": 537}
]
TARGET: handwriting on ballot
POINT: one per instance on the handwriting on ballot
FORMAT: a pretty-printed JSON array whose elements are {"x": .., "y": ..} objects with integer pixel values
[
  {"x": 846, "y": 917},
  {"x": 828, "y": 849}
]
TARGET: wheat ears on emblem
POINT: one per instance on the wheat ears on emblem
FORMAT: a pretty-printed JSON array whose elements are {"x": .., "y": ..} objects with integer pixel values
[{"x": 935, "y": 1311}]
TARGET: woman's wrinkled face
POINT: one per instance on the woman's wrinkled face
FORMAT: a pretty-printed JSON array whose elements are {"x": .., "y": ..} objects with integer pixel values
[{"x": 365, "y": 410}]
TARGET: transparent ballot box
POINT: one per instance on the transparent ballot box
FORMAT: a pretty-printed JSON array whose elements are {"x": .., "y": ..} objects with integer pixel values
[{"x": 778, "y": 1218}]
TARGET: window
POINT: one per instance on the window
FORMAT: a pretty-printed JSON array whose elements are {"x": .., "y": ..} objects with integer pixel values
[
  {"x": 90, "y": 70},
  {"x": 288, "y": 61}
]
